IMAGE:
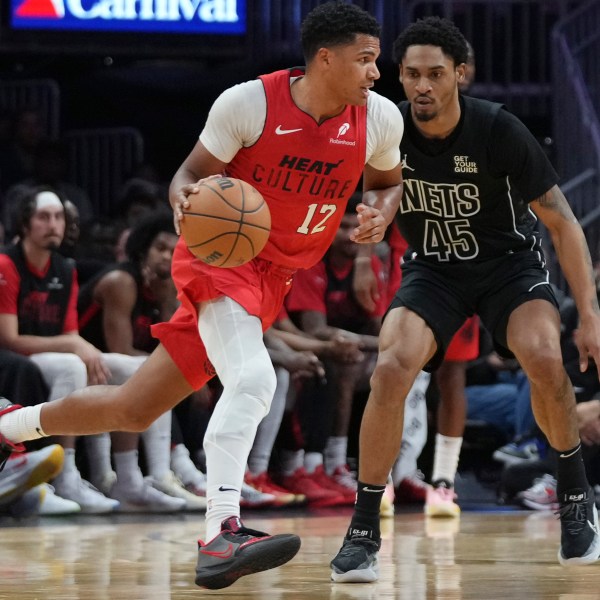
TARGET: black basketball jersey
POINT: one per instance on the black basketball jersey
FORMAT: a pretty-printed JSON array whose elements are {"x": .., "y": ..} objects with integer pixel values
[
  {"x": 145, "y": 313},
  {"x": 43, "y": 300},
  {"x": 467, "y": 197}
]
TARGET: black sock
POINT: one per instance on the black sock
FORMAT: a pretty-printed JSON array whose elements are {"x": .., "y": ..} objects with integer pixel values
[
  {"x": 366, "y": 511},
  {"x": 570, "y": 472}
]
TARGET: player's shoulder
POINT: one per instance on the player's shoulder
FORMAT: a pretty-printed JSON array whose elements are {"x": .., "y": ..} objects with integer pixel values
[
  {"x": 381, "y": 107},
  {"x": 246, "y": 90},
  {"x": 116, "y": 281}
]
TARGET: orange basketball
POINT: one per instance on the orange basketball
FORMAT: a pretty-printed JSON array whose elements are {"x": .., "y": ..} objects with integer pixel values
[{"x": 227, "y": 223}]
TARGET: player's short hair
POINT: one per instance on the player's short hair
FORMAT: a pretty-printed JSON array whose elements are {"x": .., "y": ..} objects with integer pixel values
[
  {"x": 433, "y": 31},
  {"x": 145, "y": 231},
  {"x": 335, "y": 24},
  {"x": 27, "y": 206}
]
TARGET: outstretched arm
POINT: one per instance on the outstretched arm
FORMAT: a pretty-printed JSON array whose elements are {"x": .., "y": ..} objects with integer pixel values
[{"x": 574, "y": 257}]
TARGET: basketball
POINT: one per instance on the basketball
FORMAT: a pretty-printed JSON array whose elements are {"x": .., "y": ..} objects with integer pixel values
[{"x": 227, "y": 222}]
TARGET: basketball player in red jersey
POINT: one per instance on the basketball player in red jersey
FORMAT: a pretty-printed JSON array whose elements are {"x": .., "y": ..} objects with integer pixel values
[{"x": 324, "y": 127}]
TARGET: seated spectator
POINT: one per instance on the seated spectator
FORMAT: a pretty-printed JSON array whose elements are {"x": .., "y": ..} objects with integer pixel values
[
  {"x": 117, "y": 309},
  {"x": 38, "y": 318}
]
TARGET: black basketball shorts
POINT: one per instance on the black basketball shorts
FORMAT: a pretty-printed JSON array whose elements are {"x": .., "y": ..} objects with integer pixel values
[{"x": 445, "y": 294}]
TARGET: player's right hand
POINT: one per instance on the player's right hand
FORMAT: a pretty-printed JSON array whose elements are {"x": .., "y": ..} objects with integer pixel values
[
  {"x": 98, "y": 372},
  {"x": 181, "y": 201}
]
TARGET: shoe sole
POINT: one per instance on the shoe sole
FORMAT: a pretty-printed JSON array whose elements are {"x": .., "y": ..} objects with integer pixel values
[
  {"x": 49, "y": 468},
  {"x": 591, "y": 556},
  {"x": 553, "y": 506},
  {"x": 255, "y": 558},
  {"x": 442, "y": 512},
  {"x": 358, "y": 575}
]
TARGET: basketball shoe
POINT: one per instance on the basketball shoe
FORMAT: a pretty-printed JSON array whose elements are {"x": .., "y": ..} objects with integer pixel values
[
  {"x": 412, "y": 489},
  {"x": 356, "y": 562},
  {"x": 541, "y": 495},
  {"x": 250, "y": 497},
  {"x": 580, "y": 535},
  {"x": 440, "y": 500},
  {"x": 263, "y": 483},
  {"x": 237, "y": 551},
  {"x": 301, "y": 482},
  {"x": 6, "y": 446},
  {"x": 25, "y": 471},
  {"x": 172, "y": 486}
]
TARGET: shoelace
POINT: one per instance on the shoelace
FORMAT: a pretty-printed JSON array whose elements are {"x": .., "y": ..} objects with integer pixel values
[{"x": 573, "y": 515}]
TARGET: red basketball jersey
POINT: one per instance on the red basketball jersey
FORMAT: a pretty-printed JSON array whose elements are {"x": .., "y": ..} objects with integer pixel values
[{"x": 306, "y": 172}]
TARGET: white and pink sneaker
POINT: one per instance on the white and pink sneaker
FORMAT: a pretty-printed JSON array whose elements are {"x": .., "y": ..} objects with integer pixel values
[{"x": 440, "y": 500}]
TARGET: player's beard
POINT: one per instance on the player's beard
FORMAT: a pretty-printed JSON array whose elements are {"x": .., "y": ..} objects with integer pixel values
[{"x": 424, "y": 117}]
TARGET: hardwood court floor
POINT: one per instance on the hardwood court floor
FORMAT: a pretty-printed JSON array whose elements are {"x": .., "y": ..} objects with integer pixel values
[{"x": 486, "y": 556}]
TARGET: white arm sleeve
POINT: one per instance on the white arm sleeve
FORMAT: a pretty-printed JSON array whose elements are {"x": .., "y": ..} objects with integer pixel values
[
  {"x": 236, "y": 120},
  {"x": 385, "y": 127}
]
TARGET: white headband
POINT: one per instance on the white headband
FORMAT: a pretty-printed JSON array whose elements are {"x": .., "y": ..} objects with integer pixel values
[{"x": 47, "y": 199}]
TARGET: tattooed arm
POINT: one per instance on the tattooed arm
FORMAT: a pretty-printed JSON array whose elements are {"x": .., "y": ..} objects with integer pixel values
[{"x": 573, "y": 254}]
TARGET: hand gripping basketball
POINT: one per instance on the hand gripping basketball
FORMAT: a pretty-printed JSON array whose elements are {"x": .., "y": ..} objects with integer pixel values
[{"x": 227, "y": 222}]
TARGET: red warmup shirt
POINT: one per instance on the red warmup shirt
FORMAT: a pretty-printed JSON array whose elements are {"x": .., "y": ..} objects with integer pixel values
[
  {"x": 31, "y": 295},
  {"x": 329, "y": 291}
]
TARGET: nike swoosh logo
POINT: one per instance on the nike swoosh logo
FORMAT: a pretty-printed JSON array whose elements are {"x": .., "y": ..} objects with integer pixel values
[
  {"x": 594, "y": 528},
  {"x": 280, "y": 131},
  {"x": 222, "y": 554},
  {"x": 39, "y": 431},
  {"x": 224, "y": 489}
]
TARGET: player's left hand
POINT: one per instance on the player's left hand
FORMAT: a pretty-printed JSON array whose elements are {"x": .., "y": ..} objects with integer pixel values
[
  {"x": 587, "y": 340},
  {"x": 371, "y": 225}
]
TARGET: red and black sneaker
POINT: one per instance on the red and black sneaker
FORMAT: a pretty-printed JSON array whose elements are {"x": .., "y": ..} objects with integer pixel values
[
  {"x": 237, "y": 551},
  {"x": 6, "y": 446}
]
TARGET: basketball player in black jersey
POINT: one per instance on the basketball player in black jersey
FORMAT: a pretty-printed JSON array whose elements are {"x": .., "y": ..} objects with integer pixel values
[{"x": 475, "y": 184}]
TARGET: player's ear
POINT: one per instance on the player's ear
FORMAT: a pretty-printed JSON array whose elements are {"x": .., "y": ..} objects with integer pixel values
[
  {"x": 324, "y": 56},
  {"x": 400, "y": 73}
]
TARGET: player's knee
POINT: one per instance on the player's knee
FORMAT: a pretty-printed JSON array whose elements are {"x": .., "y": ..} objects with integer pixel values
[
  {"x": 393, "y": 372},
  {"x": 73, "y": 371},
  {"x": 545, "y": 368},
  {"x": 258, "y": 380}
]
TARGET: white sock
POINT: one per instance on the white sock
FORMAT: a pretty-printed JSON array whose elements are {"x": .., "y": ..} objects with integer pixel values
[
  {"x": 183, "y": 466},
  {"x": 312, "y": 460},
  {"x": 97, "y": 448},
  {"x": 157, "y": 445},
  {"x": 447, "y": 452},
  {"x": 22, "y": 424},
  {"x": 334, "y": 455},
  {"x": 69, "y": 464},
  {"x": 127, "y": 467},
  {"x": 291, "y": 461}
]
